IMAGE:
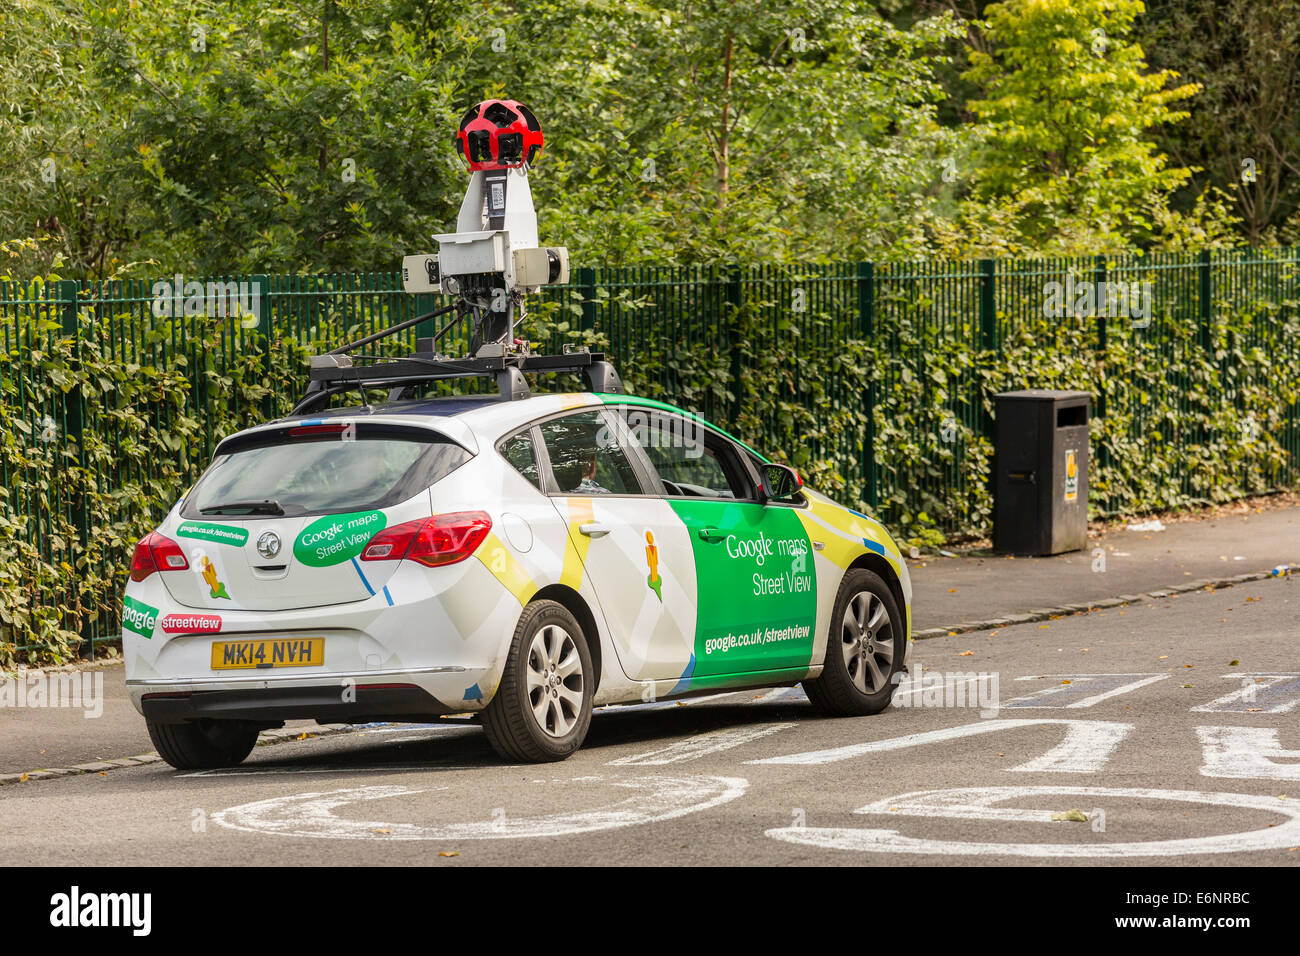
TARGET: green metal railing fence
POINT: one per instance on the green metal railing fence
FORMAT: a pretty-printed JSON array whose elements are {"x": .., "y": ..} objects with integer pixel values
[{"x": 904, "y": 357}]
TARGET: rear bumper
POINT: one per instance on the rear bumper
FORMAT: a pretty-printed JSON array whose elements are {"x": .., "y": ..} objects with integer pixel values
[
  {"x": 445, "y": 633},
  {"x": 379, "y": 697}
]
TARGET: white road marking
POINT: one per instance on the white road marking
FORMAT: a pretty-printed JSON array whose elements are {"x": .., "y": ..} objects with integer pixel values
[
  {"x": 312, "y": 814},
  {"x": 1087, "y": 746},
  {"x": 701, "y": 745},
  {"x": 976, "y": 803},
  {"x": 1259, "y": 693},
  {"x": 1075, "y": 694},
  {"x": 1246, "y": 752}
]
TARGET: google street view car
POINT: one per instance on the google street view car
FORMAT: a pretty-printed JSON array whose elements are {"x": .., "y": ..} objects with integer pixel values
[{"x": 520, "y": 557}]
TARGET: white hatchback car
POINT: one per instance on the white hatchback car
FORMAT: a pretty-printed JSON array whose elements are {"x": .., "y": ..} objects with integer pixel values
[{"x": 526, "y": 560}]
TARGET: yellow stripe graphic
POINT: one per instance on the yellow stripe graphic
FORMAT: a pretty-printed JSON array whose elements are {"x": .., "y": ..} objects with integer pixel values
[
  {"x": 834, "y": 521},
  {"x": 575, "y": 547},
  {"x": 496, "y": 557}
]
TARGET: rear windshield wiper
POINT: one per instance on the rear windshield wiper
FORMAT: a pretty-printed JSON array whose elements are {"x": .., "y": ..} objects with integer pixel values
[{"x": 266, "y": 507}]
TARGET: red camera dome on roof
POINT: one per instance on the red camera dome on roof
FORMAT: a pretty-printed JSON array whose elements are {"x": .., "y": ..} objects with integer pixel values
[{"x": 499, "y": 134}]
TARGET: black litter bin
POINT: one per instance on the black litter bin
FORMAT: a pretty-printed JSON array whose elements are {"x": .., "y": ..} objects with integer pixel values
[{"x": 1040, "y": 468}]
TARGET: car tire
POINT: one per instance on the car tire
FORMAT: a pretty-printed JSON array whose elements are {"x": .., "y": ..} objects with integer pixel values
[
  {"x": 203, "y": 744},
  {"x": 864, "y": 649},
  {"x": 542, "y": 709}
]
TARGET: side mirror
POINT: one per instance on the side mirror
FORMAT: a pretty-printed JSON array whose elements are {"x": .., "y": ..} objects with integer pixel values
[{"x": 781, "y": 483}]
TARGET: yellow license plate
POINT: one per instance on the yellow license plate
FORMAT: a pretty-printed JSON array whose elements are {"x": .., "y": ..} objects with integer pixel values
[{"x": 274, "y": 652}]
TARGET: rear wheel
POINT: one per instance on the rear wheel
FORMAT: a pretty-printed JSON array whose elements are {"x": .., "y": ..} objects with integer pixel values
[
  {"x": 542, "y": 710},
  {"x": 203, "y": 744},
  {"x": 864, "y": 650}
]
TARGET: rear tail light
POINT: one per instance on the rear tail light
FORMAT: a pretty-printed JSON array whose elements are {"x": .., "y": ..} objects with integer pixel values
[
  {"x": 157, "y": 552},
  {"x": 442, "y": 539},
  {"x": 330, "y": 428}
]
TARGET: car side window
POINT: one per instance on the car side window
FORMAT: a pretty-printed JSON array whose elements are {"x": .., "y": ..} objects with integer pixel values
[
  {"x": 518, "y": 450},
  {"x": 586, "y": 458},
  {"x": 691, "y": 461}
]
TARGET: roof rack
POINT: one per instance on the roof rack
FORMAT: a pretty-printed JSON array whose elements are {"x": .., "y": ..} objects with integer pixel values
[{"x": 334, "y": 373}]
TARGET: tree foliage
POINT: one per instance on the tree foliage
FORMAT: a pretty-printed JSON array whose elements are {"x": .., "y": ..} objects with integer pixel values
[
  {"x": 1068, "y": 112},
  {"x": 235, "y": 135}
]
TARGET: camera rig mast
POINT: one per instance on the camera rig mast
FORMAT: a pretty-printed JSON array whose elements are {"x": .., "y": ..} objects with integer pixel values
[{"x": 490, "y": 264}]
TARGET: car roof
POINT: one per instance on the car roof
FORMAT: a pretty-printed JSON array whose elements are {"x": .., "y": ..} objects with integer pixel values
[
  {"x": 443, "y": 407},
  {"x": 490, "y": 417}
]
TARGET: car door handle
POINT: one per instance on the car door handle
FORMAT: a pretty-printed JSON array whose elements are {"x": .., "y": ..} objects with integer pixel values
[
  {"x": 594, "y": 530},
  {"x": 713, "y": 535}
]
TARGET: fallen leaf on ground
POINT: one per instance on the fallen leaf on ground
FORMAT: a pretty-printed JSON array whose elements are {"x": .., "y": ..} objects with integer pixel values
[
  {"x": 966, "y": 654},
  {"x": 449, "y": 853},
  {"x": 1071, "y": 816}
]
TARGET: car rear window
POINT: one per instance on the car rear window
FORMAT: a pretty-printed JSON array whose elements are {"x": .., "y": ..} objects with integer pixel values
[{"x": 324, "y": 474}]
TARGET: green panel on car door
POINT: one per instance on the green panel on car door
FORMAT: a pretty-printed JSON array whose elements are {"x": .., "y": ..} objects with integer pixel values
[{"x": 757, "y": 590}]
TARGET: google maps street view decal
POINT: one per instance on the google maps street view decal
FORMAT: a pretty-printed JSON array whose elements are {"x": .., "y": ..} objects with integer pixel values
[
  {"x": 215, "y": 588},
  {"x": 337, "y": 538},
  {"x": 653, "y": 580},
  {"x": 524, "y": 557},
  {"x": 766, "y": 602}
]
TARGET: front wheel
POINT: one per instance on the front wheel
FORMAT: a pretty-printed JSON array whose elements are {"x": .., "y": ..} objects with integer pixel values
[
  {"x": 864, "y": 650},
  {"x": 203, "y": 744},
  {"x": 542, "y": 710}
]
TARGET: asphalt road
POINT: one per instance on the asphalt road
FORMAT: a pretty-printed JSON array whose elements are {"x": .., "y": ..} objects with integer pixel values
[{"x": 1195, "y": 749}]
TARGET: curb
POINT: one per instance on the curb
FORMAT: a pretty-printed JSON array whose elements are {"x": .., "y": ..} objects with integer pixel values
[
  {"x": 1066, "y": 610},
  {"x": 265, "y": 739}
]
